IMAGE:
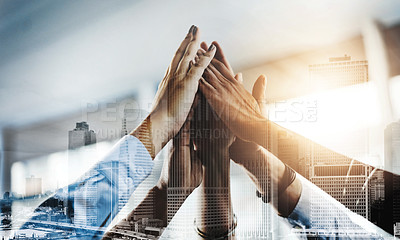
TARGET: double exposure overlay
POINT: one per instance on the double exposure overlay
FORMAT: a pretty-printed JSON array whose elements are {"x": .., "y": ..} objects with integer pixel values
[{"x": 181, "y": 120}]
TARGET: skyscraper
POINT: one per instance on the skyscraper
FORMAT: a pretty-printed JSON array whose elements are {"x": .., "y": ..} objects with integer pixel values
[
  {"x": 343, "y": 178},
  {"x": 33, "y": 186},
  {"x": 288, "y": 149},
  {"x": 392, "y": 182},
  {"x": 338, "y": 72},
  {"x": 81, "y": 136}
]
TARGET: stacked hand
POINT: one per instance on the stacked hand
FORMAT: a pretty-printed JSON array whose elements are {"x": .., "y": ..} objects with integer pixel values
[
  {"x": 175, "y": 94},
  {"x": 230, "y": 100},
  {"x": 234, "y": 111}
]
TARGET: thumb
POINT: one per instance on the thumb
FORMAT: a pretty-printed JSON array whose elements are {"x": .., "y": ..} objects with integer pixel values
[
  {"x": 259, "y": 88},
  {"x": 239, "y": 77}
]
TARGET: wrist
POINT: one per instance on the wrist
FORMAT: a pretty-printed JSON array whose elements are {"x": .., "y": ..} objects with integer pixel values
[
  {"x": 261, "y": 133},
  {"x": 214, "y": 157},
  {"x": 244, "y": 153},
  {"x": 144, "y": 134},
  {"x": 289, "y": 198},
  {"x": 216, "y": 168}
]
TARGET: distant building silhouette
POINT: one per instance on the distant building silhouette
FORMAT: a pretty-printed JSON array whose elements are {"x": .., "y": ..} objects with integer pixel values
[
  {"x": 33, "y": 186},
  {"x": 392, "y": 182},
  {"x": 288, "y": 149},
  {"x": 342, "y": 178},
  {"x": 338, "y": 72},
  {"x": 81, "y": 136}
]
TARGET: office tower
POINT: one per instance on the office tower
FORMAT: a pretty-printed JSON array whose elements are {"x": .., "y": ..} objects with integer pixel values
[
  {"x": 392, "y": 182},
  {"x": 304, "y": 157},
  {"x": 288, "y": 149},
  {"x": 377, "y": 186},
  {"x": 342, "y": 178},
  {"x": 78, "y": 137},
  {"x": 124, "y": 130},
  {"x": 131, "y": 119},
  {"x": 81, "y": 136},
  {"x": 85, "y": 213},
  {"x": 33, "y": 186},
  {"x": 272, "y": 137},
  {"x": 377, "y": 197},
  {"x": 338, "y": 72}
]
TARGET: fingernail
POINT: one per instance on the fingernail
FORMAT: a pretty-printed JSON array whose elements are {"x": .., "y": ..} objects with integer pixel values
[
  {"x": 212, "y": 46},
  {"x": 194, "y": 30},
  {"x": 191, "y": 29}
]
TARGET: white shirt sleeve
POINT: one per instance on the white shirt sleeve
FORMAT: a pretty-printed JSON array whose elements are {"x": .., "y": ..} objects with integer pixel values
[{"x": 319, "y": 213}]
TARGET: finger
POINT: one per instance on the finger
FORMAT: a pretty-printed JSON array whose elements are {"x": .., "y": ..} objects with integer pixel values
[
  {"x": 204, "y": 46},
  {"x": 259, "y": 88},
  {"x": 190, "y": 52},
  {"x": 258, "y": 93},
  {"x": 181, "y": 50},
  {"x": 211, "y": 78},
  {"x": 207, "y": 89},
  {"x": 223, "y": 70},
  {"x": 200, "y": 52},
  {"x": 196, "y": 168},
  {"x": 221, "y": 57},
  {"x": 204, "y": 60},
  {"x": 191, "y": 63},
  {"x": 239, "y": 77}
]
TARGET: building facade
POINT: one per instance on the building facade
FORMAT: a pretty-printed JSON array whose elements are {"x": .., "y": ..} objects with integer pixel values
[
  {"x": 338, "y": 72},
  {"x": 392, "y": 182},
  {"x": 81, "y": 136}
]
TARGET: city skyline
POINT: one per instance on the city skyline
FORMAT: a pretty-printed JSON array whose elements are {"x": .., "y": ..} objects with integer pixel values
[{"x": 317, "y": 163}]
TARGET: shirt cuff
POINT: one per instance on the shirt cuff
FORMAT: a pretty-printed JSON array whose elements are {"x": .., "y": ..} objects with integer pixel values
[{"x": 300, "y": 215}]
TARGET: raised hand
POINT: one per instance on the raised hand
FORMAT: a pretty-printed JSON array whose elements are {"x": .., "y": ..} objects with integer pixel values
[
  {"x": 241, "y": 150},
  {"x": 233, "y": 104},
  {"x": 175, "y": 94}
]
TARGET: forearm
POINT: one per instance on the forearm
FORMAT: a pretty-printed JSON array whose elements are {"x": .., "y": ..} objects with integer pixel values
[
  {"x": 267, "y": 172},
  {"x": 216, "y": 167},
  {"x": 217, "y": 208},
  {"x": 144, "y": 133}
]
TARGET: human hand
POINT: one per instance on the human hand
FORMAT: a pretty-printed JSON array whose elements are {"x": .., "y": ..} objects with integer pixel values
[
  {"x": 233, "y": 104},
  {"x": 175, "y": 94},
  {"x": 211, "y": 132},
  {"x": 241, "y": 151}
]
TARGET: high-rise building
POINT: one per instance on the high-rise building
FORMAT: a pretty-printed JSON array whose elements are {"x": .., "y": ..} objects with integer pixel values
[
  {"x": 85, "y": 213},
  {"x": 392, "y": 181},
  {"x": 272, "y": 137},
  {"x": 338, "y": 72},
  {"x": 377, "y": 196},
  {"x": 288, "y": 149},
  {"x": 33, "y": 186},
  {"x": 78, "y": 137},
  {"x": 342, "y": 178},
  {"x": 304, "y": 157},
  {"x": 131, "y": 119},
  {"x": 81, "y": 136},
  {"x": 377, "y": 185}
]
